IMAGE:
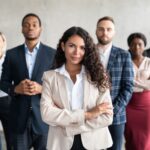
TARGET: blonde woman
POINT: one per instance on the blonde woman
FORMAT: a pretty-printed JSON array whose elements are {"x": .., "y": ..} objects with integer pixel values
[{"x": 4, "y": 99}]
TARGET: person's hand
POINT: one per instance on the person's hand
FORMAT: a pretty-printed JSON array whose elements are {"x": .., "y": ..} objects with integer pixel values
[
  {"x": 103, "y": 108},
  {"x": 23, "y": 88},
  {"x": 34, "y": 88},
  {"x": 28, "y": 87}
]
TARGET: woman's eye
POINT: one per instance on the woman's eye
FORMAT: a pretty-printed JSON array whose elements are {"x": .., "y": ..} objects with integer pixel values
[
  {"x": 83, "y": 48},
  {"x": 71, "y": 45}
]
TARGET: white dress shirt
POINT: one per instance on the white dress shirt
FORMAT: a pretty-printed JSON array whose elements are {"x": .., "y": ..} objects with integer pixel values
[
  {"x": 2, "y": 94},
  {"x": 31, "y": 58},
  {"x": 104, "y": 55},
  {"x": 74, "y": 90}
]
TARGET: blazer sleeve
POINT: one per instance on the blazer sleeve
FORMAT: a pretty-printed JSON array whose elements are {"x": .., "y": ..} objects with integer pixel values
[
  {"x": 102, "y": 121},
  {"x": 126, "y": 84},
  {"x": 53, "y": 115},
  {"x": 6, "y": 84}
]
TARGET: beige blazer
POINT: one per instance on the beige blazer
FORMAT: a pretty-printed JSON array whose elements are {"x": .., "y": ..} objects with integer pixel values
[{"x": 65, "y": 123}]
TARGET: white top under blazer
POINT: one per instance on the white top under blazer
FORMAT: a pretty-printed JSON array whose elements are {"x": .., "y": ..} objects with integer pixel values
[{"x": 65, "y": 122}]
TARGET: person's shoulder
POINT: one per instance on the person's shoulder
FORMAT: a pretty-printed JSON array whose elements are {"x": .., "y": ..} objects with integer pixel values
[
  {"x": 121, "y": 51},
  {"x": 147, "y": 59},
  {"x": 47, "y": 48},
  {"x": 50, "y": 72},
  {"x": 50, "y": 75},
  {"x": 14, "y": 50}
]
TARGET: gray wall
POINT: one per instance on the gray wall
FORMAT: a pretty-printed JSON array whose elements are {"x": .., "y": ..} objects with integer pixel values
[{"x": 58, "y": 15}]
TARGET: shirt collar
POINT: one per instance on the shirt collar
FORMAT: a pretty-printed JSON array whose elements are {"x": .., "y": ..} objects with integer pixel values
[
  {"x": 36, "y": 48},
  {"x": 62, "y": 70},
  {"x": 107, "y": 51}
]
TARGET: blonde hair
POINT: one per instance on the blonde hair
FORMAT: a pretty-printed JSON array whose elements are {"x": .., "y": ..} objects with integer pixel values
[{"x": 4, "y": 43}]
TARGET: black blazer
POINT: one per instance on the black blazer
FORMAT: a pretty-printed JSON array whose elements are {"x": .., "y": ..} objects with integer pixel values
[{"x": 15, "y": 70}]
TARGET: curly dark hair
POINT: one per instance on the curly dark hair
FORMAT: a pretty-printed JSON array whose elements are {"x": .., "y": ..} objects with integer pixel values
[{"x": 91, "y": 60}]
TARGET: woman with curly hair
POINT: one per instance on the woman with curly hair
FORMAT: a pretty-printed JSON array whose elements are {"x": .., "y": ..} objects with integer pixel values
[{"x": 75, "y": 99}]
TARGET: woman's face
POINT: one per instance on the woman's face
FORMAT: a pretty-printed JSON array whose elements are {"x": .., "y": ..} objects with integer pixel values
[
  {"x": 137, "y": 47},
  {"x": 74, "y": 50}
]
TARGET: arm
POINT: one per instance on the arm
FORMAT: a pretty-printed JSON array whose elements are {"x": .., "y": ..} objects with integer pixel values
[
  {"x": 53, "y": 115},
  {"x": 126, "y": 84},
  {"x": 143, "y": 85},
  {"x": 6, "y": 84},
  {"x": 101, "y": 121}
]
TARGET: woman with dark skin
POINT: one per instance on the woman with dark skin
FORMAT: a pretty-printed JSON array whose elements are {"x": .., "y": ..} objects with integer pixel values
[
  {"x": 137, "y": 131},
  {"x": 75, "y": 100}
]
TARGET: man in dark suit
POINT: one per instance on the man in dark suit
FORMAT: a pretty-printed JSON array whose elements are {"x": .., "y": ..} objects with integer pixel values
[
  {"x": 147, "y": 52},
  {"x": 119, "y": 66},
  {"x": 21, "y": 79}
]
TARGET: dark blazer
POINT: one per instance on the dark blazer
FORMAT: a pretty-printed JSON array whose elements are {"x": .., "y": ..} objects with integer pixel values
[
  {"x": 14, "y": 71},
  {"x": 147, "y": 53},
  {"x": 120, "y": 70}
]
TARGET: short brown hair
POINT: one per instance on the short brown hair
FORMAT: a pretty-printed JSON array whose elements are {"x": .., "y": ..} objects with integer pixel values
[{"x": 106, "y": 18}]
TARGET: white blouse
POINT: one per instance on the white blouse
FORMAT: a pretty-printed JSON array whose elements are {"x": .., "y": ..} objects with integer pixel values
[
  {"x": 142, "y": 76},
  {"x": 74, "y": 90}
]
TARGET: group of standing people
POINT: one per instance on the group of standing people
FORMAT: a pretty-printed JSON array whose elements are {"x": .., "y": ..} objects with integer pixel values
[{"x": 75, "y": 98}]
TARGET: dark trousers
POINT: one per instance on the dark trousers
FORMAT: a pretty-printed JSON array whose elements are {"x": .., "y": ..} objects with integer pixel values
[
  {"x": 77, "y": 143},
  {"x": 117, "y": 133},
  {"x": 29, "y": 139},
  {"x": 4, "y": 117}
]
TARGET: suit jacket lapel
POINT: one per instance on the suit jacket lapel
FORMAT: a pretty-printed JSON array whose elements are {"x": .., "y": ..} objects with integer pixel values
[
  {"x": 86, "y": 90},
  {"x": 63, "y": 95},
  {"x": 38, "y": 60},
  {"x": 111, "y": 58},
  {"x": 22, "y": 62}
]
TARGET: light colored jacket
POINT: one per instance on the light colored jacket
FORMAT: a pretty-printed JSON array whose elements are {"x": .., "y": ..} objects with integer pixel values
[{"x": 65, "y": 123}]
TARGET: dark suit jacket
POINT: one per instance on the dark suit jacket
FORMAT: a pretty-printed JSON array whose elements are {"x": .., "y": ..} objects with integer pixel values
[
  {"x": 120, "y": 70},
  {"x": 14, "y": 71},
  {"x": 147, "y": 53}
]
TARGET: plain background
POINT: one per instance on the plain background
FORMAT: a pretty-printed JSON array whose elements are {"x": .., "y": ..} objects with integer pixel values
[{"x": 58, "y": 15}]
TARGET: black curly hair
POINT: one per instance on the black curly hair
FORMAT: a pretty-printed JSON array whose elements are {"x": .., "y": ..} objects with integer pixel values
[{"x": 91, "y": 60}]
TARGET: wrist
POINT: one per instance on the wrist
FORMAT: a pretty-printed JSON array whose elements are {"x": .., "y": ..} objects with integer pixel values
[{"x": 87, "y": 115}]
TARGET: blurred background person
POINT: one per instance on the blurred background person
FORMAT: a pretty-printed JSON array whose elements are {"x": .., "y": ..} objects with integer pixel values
[
  {"x": 119, "y": 66},
  {"x": 137, "y": 129},
  {"x": 22, "y": 72},
  {"x": 4, "y": 98}
]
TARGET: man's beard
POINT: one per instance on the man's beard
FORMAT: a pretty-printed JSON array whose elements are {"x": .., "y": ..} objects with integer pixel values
[{"x": 103, "y": 42}]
